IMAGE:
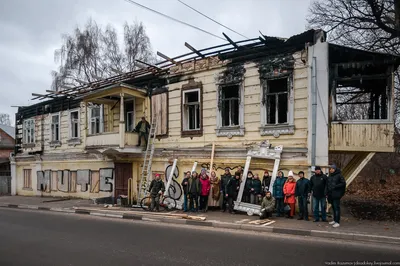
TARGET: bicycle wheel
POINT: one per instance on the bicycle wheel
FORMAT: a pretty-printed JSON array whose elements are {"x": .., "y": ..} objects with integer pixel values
[
  {"x": 145, "y": 203},
  {"x": 175, "y": 190},
  {"x": 168, "y": 204}
]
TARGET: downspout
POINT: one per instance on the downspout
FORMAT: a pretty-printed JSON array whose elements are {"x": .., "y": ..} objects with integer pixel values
[{"x": 313, "y": 110}]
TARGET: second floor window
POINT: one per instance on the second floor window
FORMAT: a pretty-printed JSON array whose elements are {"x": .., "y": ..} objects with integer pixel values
[
  {"x": 230, "y": 100},
  {"x": 74, "y": 125},
  {"x": 276, "y": 101},
  {"x": 28, "y": 134},
  {"x": 129, "y": 115},
  {"x": 55, "y": 127},
  {"x": 191, "y": 112},
  {"x": 96, "y": 119}
]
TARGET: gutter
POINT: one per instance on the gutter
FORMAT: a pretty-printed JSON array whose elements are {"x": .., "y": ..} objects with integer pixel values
[{"x": 313, "y": 110}]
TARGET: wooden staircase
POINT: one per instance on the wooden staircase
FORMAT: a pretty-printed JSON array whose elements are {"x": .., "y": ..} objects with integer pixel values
[{"x": 354, "y": 167}]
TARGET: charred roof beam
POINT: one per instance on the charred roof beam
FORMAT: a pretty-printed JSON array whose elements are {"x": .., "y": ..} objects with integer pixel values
[{"x": 194, "y": 50}]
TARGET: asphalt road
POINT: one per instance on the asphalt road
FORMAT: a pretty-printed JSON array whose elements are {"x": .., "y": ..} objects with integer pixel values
[{"x": 41, "y": 238}]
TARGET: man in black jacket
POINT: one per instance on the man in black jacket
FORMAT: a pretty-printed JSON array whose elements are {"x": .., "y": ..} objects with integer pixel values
[
  {"x": 143, "y": 128},
  {"x": 302, "y": 193},
  {"x": 156, "y": 189},
  {"x": 185, "y": 186},
  {"x": 336, "y": 189},
  {"x": 266, "y": 182},
  {"x": 224, "y": 181},
  {"x": 232, "y": 189},
  {"x": 318, "y": 187}
]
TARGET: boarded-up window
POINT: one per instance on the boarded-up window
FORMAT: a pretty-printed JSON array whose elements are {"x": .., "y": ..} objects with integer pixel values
[
  {"x": 27, "y": 178},
  {"x": 159, "y": 108}
]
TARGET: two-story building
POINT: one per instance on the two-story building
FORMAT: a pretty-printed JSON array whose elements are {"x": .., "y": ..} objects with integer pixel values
[
  {"x": 7, "y": 142},
  {"x": 312, "y": 97}
]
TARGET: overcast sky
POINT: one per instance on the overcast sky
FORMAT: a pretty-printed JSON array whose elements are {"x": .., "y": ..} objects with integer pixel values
[{"x": 31, "y": 31}]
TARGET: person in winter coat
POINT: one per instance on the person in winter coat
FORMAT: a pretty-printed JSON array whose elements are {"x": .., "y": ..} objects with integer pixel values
[
  {"x": 143, "y": 128},
  {"x": 267, "y": 206},
  {"x": 318, "y": 188},
  {"x": 194, "y": 192},
  {"x": 224, "y": 181},
  {"x": 232, "y": 189},
  {"x": 289, "y": 189},
  {"x": 278, "y": 193},
  {"x": 255, "y": 190},
  {"x": 266, "y": 181},
  {"x": 247, "y": 187},
  {"x": 303, "y": 194},
  {"x": 213, "y": 198},
  {"x": 336, "y": 189},
  {"x": 205, "y": 190},
  {"x": 156, "y": 189},
  {"x": 185, "y": 187}
]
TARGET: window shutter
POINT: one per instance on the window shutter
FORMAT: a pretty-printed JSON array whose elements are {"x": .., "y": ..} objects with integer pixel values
[{"x": 101, "y": 118}]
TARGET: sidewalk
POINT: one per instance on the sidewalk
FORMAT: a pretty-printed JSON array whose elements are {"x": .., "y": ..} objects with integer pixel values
[{"x": 350, "y": 229}]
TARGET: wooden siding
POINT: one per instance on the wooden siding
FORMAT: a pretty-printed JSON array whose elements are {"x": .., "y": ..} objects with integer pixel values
[
  {"x": 362, "y": 137},
  {"x": 252, "y": 120},
  {"x": 159, "y": 105}
]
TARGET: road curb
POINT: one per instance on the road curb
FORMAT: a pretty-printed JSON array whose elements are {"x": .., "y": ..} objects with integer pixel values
[{"x": 224, "y": 225}]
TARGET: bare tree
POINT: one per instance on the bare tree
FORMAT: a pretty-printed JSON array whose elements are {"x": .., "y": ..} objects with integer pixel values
[
  {"x": 91, "y": 53},
  {"x": 5, "y": 119},
  {"x": 372, "y": 25}
]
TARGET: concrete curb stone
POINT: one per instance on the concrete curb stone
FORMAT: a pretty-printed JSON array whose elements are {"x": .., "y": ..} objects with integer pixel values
[{"x": 225, "y": 225}]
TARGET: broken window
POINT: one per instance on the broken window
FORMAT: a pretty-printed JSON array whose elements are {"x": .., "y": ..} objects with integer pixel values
[
  {"x": 276, "y": 101},
  {"x": 55, "y": 127},
  {"x": 230, "y": 100},
  {"x": 28, "y": 134},
  {"x": 129, "y": 115},
  {"x": 191, "y": 110},
  {"x": 74, "y": 125},
  {"x": 361, "y": 95},
  {"x": 96, "y": 119}
]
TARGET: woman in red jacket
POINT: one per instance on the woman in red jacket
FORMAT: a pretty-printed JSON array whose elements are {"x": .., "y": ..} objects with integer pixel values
[
  {"x": 205, "y": 190},
  {"x": 289, "y": 190}
]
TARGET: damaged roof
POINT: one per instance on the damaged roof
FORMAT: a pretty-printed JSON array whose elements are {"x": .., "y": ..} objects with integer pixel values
[{"x": 251, "y": 49}]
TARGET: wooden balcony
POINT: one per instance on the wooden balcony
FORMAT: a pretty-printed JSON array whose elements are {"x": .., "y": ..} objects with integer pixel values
[
  {"x": 362, "y": 136},
  {"x": 107, "y": 139}
]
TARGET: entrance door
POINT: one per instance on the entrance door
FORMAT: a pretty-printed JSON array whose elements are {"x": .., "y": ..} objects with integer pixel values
[{"x": 123, "y": 171}]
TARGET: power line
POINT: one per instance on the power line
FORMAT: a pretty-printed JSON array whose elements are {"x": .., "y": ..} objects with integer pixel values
[
  {"x": 174, "y": 19},
  {"x": 212, "y": 19}
]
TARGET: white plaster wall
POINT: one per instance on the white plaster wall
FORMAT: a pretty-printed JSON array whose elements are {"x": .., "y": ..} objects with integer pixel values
[{"x": 320, "y": 51}]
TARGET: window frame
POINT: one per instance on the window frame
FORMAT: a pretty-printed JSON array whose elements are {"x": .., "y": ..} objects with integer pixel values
[
  {"x": 132, "y": 112},
  {"x": 277, "y": 129},
  {"x": 101, "y": 119},
  {"x": 192, "y": 86},
  {"x": 230, "y": 131},
  {"x": 71, "y": 139},
  {"x": 31, "y": 134},
  {"x": 185, "y": 109},
  {"x": 27, "y": 176},
  {"x": 58, "y": 140}
]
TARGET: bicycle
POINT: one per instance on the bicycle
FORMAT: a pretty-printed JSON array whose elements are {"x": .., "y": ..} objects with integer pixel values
[{"x": 166, "y": 203}]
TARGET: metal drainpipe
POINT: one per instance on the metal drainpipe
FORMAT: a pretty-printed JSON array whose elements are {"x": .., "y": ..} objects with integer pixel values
[{"x": 314, "y": 110}]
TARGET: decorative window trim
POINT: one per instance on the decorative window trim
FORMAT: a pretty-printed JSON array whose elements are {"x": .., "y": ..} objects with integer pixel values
[
  {"x": 89, "y": 115},
  {"x": 277, "y": 129},
  {"x": 190, "y": 87},
  {"x": 72, "y": 141},
  {"x": 230, "y": 131},
  {"x": 55, "y": 143},
  {"x": 25, "y": 137}
]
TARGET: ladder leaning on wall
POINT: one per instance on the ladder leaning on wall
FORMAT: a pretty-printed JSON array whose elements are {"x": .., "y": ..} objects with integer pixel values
[{"x": 148, "y": 158}]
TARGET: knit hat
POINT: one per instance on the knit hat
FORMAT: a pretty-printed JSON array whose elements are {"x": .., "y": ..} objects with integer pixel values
[
  {"x": 157, "y": 175},
  {"x": 290, "y": 174},
  {"x": 301, "y": 172},
  {"x": 317, "y": 168},
  {"x": 333, "y": 166}
]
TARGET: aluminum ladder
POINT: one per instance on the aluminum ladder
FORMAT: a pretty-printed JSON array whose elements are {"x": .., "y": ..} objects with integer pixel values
[{"x": 148, "y": 158}]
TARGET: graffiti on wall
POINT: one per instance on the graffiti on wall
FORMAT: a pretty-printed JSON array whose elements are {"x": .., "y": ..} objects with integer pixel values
[{"x": 68, "y": 181}]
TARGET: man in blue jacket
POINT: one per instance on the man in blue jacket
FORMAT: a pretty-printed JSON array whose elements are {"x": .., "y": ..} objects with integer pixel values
[{"x": 336, "y": 189}]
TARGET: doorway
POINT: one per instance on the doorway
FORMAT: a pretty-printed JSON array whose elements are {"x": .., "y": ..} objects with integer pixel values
[{"x": 123, "y": 171}]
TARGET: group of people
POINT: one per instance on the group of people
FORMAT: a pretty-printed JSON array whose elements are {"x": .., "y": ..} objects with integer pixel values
[{"x": 202, "y": 192}]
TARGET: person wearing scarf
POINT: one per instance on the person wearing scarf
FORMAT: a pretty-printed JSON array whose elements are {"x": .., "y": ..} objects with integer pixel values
[
  {"x": 205, "y": 190},
  {"x": 213, "y": 197}
]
